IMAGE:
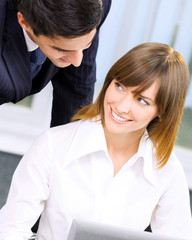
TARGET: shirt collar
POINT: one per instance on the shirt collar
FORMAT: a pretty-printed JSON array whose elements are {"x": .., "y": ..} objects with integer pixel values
[
  {"x": 146, "y": 153},
  {"x": 90, "y": 137},
  {"x": 31, "y": 45}
]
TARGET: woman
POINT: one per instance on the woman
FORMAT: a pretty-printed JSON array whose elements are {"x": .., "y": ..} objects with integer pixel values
[{"x": 115, "y": 165}]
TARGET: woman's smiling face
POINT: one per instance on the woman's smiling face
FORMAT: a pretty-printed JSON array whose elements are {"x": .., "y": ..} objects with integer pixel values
[{"x": 126, "y": 112}]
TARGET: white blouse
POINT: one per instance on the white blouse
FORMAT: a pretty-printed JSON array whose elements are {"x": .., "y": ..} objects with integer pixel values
[{"x": 68, "y": 174}]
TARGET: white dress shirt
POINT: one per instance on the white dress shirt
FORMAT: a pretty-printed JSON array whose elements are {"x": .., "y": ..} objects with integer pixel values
[
  {"x": 31, "y": 45},
  {"x": 67, "y": 174}
]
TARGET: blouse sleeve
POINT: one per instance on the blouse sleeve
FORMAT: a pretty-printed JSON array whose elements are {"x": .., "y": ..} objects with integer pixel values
[
  {"x": 28, "y": 192},
  {"x": 172, "y": 215}
]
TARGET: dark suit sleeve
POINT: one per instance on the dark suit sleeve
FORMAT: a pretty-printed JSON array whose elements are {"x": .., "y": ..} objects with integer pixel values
[
  {"x": 73, "y": 87},
  {"x": 3, "y": 70},
  {"x": 15, "y": 80}
]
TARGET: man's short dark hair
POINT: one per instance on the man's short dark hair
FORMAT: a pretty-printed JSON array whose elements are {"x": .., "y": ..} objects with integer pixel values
[{"x": 66, "y": 18}]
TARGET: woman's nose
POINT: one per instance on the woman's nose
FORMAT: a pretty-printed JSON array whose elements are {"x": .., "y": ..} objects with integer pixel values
[{"x": 125, "y": 104}]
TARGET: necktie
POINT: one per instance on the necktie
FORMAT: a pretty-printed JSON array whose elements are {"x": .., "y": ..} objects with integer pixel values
[{"x": 36, "y": 60}]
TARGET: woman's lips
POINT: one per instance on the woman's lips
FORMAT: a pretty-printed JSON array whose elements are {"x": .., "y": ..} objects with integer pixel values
[{"x": 119, "y": 118}]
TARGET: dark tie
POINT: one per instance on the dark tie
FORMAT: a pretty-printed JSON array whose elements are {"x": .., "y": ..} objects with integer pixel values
[{"x": 36, "y": 60}]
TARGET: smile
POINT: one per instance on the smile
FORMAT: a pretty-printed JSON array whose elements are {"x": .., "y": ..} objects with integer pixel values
[{"x": 118, "y": 117}]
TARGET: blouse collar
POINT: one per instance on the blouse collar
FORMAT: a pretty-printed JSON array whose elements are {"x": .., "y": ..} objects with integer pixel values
[{"x": 90, "y": 138}]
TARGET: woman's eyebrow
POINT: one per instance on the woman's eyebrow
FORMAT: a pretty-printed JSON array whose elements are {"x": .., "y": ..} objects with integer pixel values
[{"x": 145, "y": 97}]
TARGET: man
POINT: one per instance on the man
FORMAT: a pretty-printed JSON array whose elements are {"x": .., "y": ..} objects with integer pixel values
[{"x": 66, "y": 32}]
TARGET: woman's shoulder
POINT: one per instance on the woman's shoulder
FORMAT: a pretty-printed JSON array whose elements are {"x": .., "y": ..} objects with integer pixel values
[
  {"x": 172, "y": 171},
  {"x": 173, "y": 163}
]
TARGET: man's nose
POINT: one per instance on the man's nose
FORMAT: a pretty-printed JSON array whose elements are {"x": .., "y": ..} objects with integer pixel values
[{"x": 76, "y": 58}]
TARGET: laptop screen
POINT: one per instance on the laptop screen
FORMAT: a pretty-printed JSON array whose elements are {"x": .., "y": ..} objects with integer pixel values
[{"x": 82, "y": 230}]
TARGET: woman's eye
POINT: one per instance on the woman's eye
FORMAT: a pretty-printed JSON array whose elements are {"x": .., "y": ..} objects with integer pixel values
[
  {"x": 142, "y": 101},
  {"x": 118, "y": 85}
]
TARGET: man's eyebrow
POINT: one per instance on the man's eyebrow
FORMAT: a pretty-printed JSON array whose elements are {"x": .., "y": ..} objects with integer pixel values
[
  {"x": 61, "y": 50},
  {"x": 64, "y": 50}
]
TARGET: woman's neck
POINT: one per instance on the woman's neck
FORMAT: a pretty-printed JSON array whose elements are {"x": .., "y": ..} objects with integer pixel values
[{"x": 121, "y": 147}]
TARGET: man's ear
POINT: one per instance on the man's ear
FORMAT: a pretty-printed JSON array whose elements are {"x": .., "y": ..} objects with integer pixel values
[{"x": 23, "y": 22}]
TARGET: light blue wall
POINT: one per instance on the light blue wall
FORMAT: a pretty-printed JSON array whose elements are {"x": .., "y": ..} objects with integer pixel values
[{"x": 132, "y": 22}]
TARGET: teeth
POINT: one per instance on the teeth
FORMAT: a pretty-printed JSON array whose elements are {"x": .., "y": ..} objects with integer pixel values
[{"x": 118, "y": 118}]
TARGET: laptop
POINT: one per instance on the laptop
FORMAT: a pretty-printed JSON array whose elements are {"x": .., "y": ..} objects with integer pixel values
[{"x": 82, "y": 230}]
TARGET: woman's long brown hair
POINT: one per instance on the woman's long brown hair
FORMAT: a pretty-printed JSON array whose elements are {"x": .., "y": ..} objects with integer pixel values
[{"x": 140, "y": 67}]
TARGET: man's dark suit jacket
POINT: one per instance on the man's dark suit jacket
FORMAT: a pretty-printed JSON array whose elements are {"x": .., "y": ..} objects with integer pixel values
[{"x": 72, "y": 87}]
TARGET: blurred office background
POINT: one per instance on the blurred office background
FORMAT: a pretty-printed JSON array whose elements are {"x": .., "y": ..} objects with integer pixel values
[{"x": 129, "y": 23}]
